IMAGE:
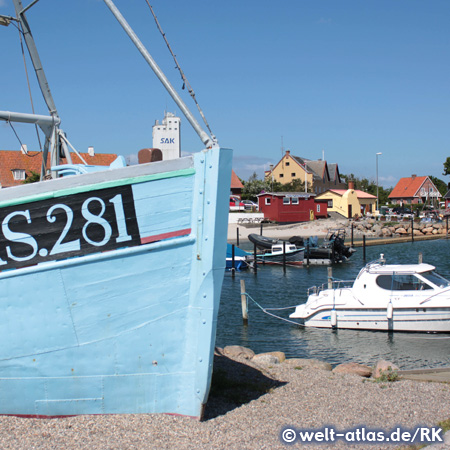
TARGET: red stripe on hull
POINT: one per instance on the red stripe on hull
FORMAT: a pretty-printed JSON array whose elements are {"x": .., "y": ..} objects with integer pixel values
[{"x": 160, "y": 237}]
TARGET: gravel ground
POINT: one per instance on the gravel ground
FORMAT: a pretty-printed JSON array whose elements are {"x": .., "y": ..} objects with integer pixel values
[{"x": 248, "y": 407}]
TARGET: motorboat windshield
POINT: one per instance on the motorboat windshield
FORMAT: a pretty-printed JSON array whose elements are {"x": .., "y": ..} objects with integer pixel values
[{"x": 436, "y": 279}]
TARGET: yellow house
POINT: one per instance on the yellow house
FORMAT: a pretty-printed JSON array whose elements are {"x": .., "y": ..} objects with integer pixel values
[
  {"x": 349, "y": 202},
  {"x": 289, "y": 169},
  {"x": 318, "y": 175}
]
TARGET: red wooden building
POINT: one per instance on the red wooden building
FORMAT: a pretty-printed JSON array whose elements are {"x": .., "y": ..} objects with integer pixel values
[{"x": 290, "y": 207}]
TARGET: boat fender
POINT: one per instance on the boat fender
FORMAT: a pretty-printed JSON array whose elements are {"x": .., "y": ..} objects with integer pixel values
[
  {"x": 333, "y": 318},
  {"x": 390, "y": 310}
]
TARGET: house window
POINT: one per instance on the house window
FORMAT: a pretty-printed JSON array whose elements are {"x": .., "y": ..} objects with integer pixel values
[
  {"x": 287, "y": 163},
  {"x": 293, "y": 174},
  {"x": 286, "y": 201},
  {"x": 295, "y": 200},
  {"x": 318, "y": 208},
  {"x": 330, "y": 203},
  {"x": 267, "y": 200},
  {"x": 18, "y": 174},
  {"x": 281, "y": 175}
]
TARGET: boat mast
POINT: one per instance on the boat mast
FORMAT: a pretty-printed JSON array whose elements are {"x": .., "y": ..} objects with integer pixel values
[
  {"x": 49, "y": 125},
  {"x": 207, "y": 141}
]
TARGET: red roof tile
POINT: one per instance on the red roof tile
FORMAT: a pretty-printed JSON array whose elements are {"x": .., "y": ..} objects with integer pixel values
[
  {"x": 14, "y": 159},
  {"x": 407, "y": 187},
  {"x": 235, "y": 181}
]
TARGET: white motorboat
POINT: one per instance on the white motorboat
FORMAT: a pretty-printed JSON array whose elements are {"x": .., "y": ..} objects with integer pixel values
[{"x": 400, "y": 297}]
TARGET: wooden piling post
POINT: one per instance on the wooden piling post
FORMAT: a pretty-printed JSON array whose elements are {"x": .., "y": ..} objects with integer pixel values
[
  {"x": 233, "y": 265},
  {"x": 237, "y": 236},
  {"x": 260, "y": 228},
  {"x": 244, "y": 303},
  {"x": 364, "y": 247},
  {"x": 330, "y": 277},
  {"x": 307, "y": 253},
  {"x": 420, "y": 258},
  {"x": 412, "y": 229},
  {"x": 352, "y": 234},
  {"x": 284, "y": 256},
  {"x": 255, "y": 265},
  {"x": 446, "y": 228}
]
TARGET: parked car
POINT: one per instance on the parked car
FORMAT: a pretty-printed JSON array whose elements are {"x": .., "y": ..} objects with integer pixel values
[
  {"x": 236, "y": 204},
  {"x": 249, "y": 205}
]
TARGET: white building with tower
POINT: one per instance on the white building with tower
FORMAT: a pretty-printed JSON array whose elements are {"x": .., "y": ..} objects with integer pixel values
[{"x": 167, "y": 136}]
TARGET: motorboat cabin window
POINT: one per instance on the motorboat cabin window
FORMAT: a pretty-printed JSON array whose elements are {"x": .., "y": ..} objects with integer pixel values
[
  {"x": 401, "y": 283},
  {"x": 436, "y": 279}
]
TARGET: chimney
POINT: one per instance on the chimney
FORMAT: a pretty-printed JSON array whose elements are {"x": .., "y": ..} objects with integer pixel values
[
  {"x": 413, "y": 176},
  {"x": 351, "y": 185},
  {"x": 24, "y": 149},
  {"x": 91, "y": 151},
  {"x": 288, "y": 152}
]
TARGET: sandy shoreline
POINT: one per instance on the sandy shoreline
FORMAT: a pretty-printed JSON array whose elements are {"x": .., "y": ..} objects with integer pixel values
[{"x": 304, "y": 229}]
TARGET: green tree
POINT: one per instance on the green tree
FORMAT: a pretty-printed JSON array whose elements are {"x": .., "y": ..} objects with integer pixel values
[
  {"x": 447, "y": 166},
  {"x": 33, "y": 177}
]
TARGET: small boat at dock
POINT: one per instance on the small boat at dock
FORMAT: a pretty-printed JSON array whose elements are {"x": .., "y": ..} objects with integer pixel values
[
  {"x": 397, "y": 297},
  {"x": 331, "y": 251}
]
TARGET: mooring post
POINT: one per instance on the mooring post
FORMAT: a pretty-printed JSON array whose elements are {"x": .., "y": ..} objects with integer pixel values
[
  {"x": 244, "y": 303},
  {"x": 307, "y": 253},
  {"x": 284, "y": 256},
  {"x": 255, "y": 265},
  {"x": 364, "y": 247},
  {"x": 237, "y": 236},
  {"x": 330, "y": 277},
  {"x": 412, "y": 229},
  {"x": 260, "y": 228},
  {"x": 446, "y": 220},
  {"x": 352, "y": 234},
  {"x": 233, "y": 266},
  {"x": 420, "y": 258}
]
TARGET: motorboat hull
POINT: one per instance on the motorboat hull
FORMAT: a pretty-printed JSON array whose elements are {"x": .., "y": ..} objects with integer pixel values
[{"x": 433, "y": 320}]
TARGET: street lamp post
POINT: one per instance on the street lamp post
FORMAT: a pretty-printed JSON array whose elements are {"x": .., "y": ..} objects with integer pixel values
[{"x": 378, "y": 154}]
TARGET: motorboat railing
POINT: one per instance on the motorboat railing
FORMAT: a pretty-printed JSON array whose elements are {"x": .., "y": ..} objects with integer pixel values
[{"x": 335, "y": 284}]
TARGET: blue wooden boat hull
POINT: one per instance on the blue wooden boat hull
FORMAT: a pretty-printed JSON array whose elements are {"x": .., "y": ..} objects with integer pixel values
[{"x": 126, "y": 329}]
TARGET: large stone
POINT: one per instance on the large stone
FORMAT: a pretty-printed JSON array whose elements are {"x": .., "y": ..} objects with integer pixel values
[
  {"x": 309, "y": 363},
  {"x": 354, "y": 368},
  {"x": 266, "y": 358},
  {"x": 237, "y": 351},
  {"x": 280, "y": 355},
  {"x": 383, "y": 367}
]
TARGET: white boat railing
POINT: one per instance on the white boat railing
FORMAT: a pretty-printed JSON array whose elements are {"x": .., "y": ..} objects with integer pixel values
[{"x": 335, "y": 284}]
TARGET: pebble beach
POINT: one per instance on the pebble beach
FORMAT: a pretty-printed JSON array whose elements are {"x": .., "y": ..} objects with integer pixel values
[{"x": 249, "y": 405}]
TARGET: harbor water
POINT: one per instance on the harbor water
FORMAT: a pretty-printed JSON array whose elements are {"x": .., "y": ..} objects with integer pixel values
[{"x": 272, "y": 287}]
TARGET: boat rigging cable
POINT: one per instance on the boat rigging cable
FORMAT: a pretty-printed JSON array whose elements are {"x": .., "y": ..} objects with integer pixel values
[
  {"x": 183, "y": 77},
  {"x": 266, "y": 310}
]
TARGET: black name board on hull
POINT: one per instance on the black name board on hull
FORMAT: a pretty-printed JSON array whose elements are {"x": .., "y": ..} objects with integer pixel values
[{"x": 67, "y": 226}]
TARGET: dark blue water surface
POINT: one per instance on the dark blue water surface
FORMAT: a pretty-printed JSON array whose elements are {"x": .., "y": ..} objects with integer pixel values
[{"x": 274, "y": 288}]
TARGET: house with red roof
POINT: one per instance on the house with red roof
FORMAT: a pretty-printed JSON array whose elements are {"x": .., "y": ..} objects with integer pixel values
[
  {"x": 349, "y": 202},
  {"x": 414, "y": 190},
  {"x": 16, "y": 165},
  {"x": 236, "y": 184}
]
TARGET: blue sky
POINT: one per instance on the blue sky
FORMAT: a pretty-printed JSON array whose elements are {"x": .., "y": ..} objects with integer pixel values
[{"x": 343, "y": 78}]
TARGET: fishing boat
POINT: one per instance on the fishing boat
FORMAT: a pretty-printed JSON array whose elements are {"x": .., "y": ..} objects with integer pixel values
[
  {"x": 110, "y": 279},
  {"x": 280, "y": 254},
  {"x": 387, "y": 297}
]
